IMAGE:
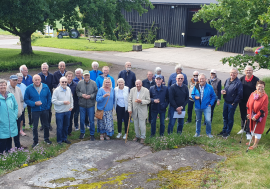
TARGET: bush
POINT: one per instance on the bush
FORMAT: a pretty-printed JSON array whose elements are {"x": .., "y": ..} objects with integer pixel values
[
  {"x": 249, "y": 49},
  {"x": 160, "y": 41},
  {"x": 81, "y": 31}
]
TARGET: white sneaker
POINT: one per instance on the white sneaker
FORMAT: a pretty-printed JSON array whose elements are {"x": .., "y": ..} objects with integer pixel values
[
  {"x": 196, "y": 135},
  {"x": 119, "y": 135},
  {"x": 248, "y": 137},
  {"x": 240, "y": 132},
  {"x": 210, "y": 136},
  {"x": 125, "y": 136},
  {"x": 167, "y": 118}
]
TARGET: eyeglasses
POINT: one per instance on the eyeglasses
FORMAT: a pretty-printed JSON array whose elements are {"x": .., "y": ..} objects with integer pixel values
[
  {"x": 63, "y": 81},
  {"x": 180, "y": 78},
  {"x": 195, "y": 75}
]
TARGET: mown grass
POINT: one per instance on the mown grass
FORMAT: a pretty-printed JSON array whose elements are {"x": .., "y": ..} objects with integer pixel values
[
  {"x": 2, "y": 32},
  {"x": 11, "y": 59},
  {"x": 83, "y": 44}
]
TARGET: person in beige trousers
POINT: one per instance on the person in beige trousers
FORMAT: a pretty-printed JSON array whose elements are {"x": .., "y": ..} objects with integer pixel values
[{"x": 139, "y": 97}]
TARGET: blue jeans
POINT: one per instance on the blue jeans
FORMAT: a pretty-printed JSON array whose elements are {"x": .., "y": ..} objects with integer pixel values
[
  {"x": 228, "y": 117},
  {"x": 153, "y": 123},
  {"x": 90, "y": 112},
  {"x": 190, "y": 108},
  {"x": 17, "y": 138},
  {"x": 62, "y": 122},
  {"x": 172, "y": 122},
  {"x": 207, "y": 117}
]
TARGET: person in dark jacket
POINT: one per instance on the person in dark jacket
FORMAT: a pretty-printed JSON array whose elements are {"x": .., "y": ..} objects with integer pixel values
[
  {"x": 147, "y": 83},
  {"x": 159, "y": 95},
  {"x": 72, "y": 85},
  {"x": 128, "y": 76},
  {"x": 47, "y": 78},
  {"x": 58, "y": 74},
  {"x": 38, "y": 97},
  {"x": 204, "y": 96},
  {"x": 232, "y": 94},
  {"x": 179, "y": 96},
  {"x": 249, "y": 82},
  {"x": 158, "y": 72},
  {"x": 172, "y": 78}
]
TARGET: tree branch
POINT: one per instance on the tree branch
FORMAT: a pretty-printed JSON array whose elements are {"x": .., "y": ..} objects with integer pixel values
[{"x": 13, "y": 32}]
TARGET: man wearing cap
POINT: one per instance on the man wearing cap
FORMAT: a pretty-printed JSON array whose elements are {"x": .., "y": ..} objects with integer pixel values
[
  {"x": 86, "y": 91},
  {"x": 38, "y": 96},
  {"x": 16, "y": 91},
  {"x": 128, "y": 76},
  {"x": 95, "y": 72},
  {"x": 100, "y": 78},
  {"x": 159, "y": 95},
  {"x": 58, "y": 74}
]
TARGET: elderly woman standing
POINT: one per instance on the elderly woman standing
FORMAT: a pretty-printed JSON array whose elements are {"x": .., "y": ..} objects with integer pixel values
[
  {"x": 8, "y": 118},
  {"x": 121, "y": 105},
  {"x": 105, "y": 101},
  {"x": 257, "y": 111},
  {"x": 158, "y": 73}
]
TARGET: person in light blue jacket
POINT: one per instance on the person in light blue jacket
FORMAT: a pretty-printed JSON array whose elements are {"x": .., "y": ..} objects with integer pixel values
[
  {"x": 100, "y": 79},
  {"x": 204, "y": 96},
  {"x": 8, "y": 118}
]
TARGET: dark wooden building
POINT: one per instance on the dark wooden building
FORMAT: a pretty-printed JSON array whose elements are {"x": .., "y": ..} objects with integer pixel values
[{"x": 173, "y": 18}]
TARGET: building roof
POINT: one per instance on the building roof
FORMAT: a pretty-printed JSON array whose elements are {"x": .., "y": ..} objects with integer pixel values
[{"x": 183, "y": 2}]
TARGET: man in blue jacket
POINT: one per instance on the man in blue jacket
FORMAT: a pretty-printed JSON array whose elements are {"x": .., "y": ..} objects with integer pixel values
[
  {"x": 38, "y": 97},
  {"x": 100, "y": 78},
  {"x": 232, "y": 94},
  {"x": 204, "y": 96},
  {"x": 159, "y": 95}
]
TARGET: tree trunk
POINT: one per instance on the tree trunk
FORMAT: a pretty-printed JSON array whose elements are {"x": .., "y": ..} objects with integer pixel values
[{"x": 26, "y": 47}]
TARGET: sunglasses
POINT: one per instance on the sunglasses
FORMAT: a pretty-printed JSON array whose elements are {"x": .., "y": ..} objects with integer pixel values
[
  {"x": 195, "y": 75},
  {"x": 180, "y": 78},
  {"x": 63, "y": 81}
]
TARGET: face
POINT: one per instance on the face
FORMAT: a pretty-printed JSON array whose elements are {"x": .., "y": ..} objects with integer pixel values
[
  {"x": 63, "y": 83},
  {"x": 213, "y": 75},
  {"x": 107, "y": 83},
  {"x": 180, "y": 79},
  {"x": 13, "y": 83},
  {"x": 3, "y": 87},
  {"x": 128, "y": 66},
  {"x": 69, "y": 78},
  {"x": 44, "y": 69},
  {"x": 78, "y": 74},
  {"x": 62, "y": 67},
  {"x": 86, "y": 78},
  {"x": 37, "y": 80},
  {"x": 24, "y": 71},
  {"x": 178, "y": 71},
  {"x": 195, "y": 75},
  {"x": 249, "y": 72},
  {"x": 138, "y": 85},
  {"x": 95, "y": 67},
  {"x": 105, "y": 71},
  {"x": 233, "y": 74},
  {"x": 158, "y": 81},
  {"x": 159, "y": 72},
  {"x": 149, "y": 76},
  {"x": 202, "y": 80},
  {"x": 260, "y": 88},
  {"x": 121, "y": 84},
  {"x": 20, "y": 80}
]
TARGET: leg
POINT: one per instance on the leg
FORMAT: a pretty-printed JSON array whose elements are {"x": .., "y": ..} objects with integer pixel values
[
  {"x": 35, "y": 116},
  {"x": 70, "y": 121},
  {"x": 126, "y": 118},
  {"x": 82, "y": 119},
  {"x": 150, "y": 116},
  {"x": 142, "y": 128},
  {"x": 190, "y": 108},
  {"x": 231, "y": 117},
  {"x": 23, "y": 117},
  {"x": 76, "y": 116},
  {"x": 225, "y": 117},
  {"x": 45, "y": 120},
  {"x": 120, "y": 115},
  {"x": 66, "y": 125},
  {"x": 207, "y": 116},
  {"x": 59, "y": 126},
  {"x": 212, "y": 110},
  {"x": 198, "y": 120},
  {"x": 153, "y": 123},
  {"x": 180, "y": 125},
  {"x": 243, "y": 113},
  {"x": 17, "y": 138},
  {"x": 50, "y": 115},
  {"x": 136, "y": 126},
  {"x": 8, "y": 144},
  {"x": 29, "y": 115},
  {"x": 162, "y": 124},
  {"x": 3, "y": 145},
  {"x": 172, "y": 121},
  {"x": 91, "y": 114}
]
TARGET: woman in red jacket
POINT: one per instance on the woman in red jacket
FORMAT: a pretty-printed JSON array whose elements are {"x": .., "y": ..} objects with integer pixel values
[{"x": 257, "y": 110}]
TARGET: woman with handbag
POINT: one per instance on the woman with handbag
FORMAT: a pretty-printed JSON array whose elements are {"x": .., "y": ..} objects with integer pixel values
[{"x": 105, "y": 101}]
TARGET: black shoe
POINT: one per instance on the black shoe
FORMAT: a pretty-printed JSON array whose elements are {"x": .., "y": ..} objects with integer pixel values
[
  {"x": 50, "y": 128},
  {"x": 225, "y": 135},
  {"x": 34, "y": 144},
  {"x": 220, "y": 134},
  {"x": 82, "y": 136},
  {"x": 92, "y": 137},
  {"x": 48, "y": 141},
  {"x": 41, "y": 128},
  {"x": 67, "y": 141}
]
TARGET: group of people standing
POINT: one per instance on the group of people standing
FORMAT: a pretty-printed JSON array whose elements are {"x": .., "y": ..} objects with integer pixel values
[{"x": 82, "y": 92}]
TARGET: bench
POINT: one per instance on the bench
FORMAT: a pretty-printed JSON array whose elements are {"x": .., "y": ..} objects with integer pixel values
[{"x": 95, "y": 38}]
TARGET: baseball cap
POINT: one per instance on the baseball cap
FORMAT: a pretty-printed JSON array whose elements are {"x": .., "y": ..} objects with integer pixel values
[
  {"x": 159, "y": 77},
  {"x": 13, "y": 77},
  {"x": 213, "y": 71},
  {"x": 86, "y": 72}
]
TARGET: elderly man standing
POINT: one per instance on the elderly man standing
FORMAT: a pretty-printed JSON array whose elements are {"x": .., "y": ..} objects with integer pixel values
[
  {"x": 137, "y": 106},
  {"x": 38, "y": 97},
  {"x": 16, "y": 91},
  {"x": 159, "y": 95},
  {"x": 249, "y": 82},
  {"x": 147, "y": 83},
  {"x": 100, "y": 79},
  {"x": 191, "y": 84},
  {"x": 58, "y": 74},
  {"x": 87, "y": 91},
  {"x": 63, "y": 105},
  {"x": 204, "y": 96},
  {"x": 128, "y": 76},
  {"x": 72, "y": 85},
  {"x": 95, "y": 72},
  {"x": 27, "y": 80},
  {"x": 78, "y": 75},
  {"x": 47, "y": 78},
  {"x": 179, "y": 95},
  {"x": 232, "y": 94}
]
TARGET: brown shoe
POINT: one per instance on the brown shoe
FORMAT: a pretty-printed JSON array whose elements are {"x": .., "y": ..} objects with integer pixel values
[
  {"x": 135, "y": 139},
  {"x": 142, "y": 141}
]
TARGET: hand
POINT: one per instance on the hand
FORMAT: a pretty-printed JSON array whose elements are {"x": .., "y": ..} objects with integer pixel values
[
  {"x": 70, "y": 109},
  {"x": 179, "y": 112},
  {"x": 156, "y": 100},
  {"x": 232, "y": 104},
  {"x": 84, "y": 96},
  {"x": 107, "y": 94},
  {"x": 197, "y": 97},
  {"x": 254, "y": 119},
  {"x": 248, "y": 116},
  {"x": 38, "y": 103},
  {"x": 130, "y": 112},
  {"x": 179, "y": 109},
  {"x": 139, "y": 101},
  {"x": 88, "y": 96},
  {"x": 223, "y": 91},
  {"x": 66, "y": 102},
  {"x": 218, "y": 102},
  {"x": 209, "y": 105}
]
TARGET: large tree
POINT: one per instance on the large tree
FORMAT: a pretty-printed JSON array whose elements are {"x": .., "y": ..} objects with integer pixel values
[
  {"x": 23, "y": 17},
  {"x": 232, "y": 18}
]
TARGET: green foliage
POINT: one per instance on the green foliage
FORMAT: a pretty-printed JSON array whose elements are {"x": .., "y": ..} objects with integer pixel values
[
  {"x": 81, "y": 31},
  {"x": 249, "y": 49},
  {"x": 140, "y": 37},
  {"x": 160, "y": 41},
  {"x": 151, "y": 34},
  {"x": 232, "y": 18}
]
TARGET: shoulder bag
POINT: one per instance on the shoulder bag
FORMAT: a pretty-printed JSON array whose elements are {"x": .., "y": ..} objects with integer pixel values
[{"x": 99, "y": 113}]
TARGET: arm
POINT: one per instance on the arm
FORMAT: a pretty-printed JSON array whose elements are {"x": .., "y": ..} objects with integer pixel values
[
  {"x": 130, "y": 104},
  {"x": 49, "y": 99},
  {"x": 151, "y": 95},
  {"x": 94, "y": 94},
  {"x": 113, "y": 82},
  {"x": 21, "y": 98},
  {"x": 186, "y": 97},
  {"x": 172, "y": 101},
  {"x": 263, "y": 109},
  {"x": 27, "y": 98},
  {"x": 100, "y": 97},
  {"x": 219, "y": 90},
  {"x": 193, "y": 94},
  {"x": 55, "y": 101},
  {"x": 212, "y": 95},
  {"x": 79, "y": 93},
  {"x": 15, "y": 106},
  {"x": 147, "y": 98},
  {"x": 71, "y": 100},
  {"x": 239, "y": 93}
]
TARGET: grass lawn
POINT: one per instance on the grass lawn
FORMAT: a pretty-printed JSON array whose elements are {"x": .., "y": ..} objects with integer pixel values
[
  {"x": 83, "y": 44},
  {"x": 2, "y": 32},
  {"x": 11, "y": 58}
]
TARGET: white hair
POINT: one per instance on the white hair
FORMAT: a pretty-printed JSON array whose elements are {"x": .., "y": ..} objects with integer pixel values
[
  {"x": 157, "y": 69},
  {"x": 202, "y": 74},
  {"x": 61, "y": 63},
  {"x": 95, "y": 63},
  {"x": 248, "y": 66},
  {"x": 235, "y": 69},
  {"x": 19, "y": 75},
  {"x": 79, "y": 69},
  {"x": 21, "y": 67},
  {"x": 120, "y": 79},
  {"x": 45, "y": 64},
  {"x": 196, "y": 71},
  {"x": 178, "y": 66},
  {"x": 127, "y": 62}
]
